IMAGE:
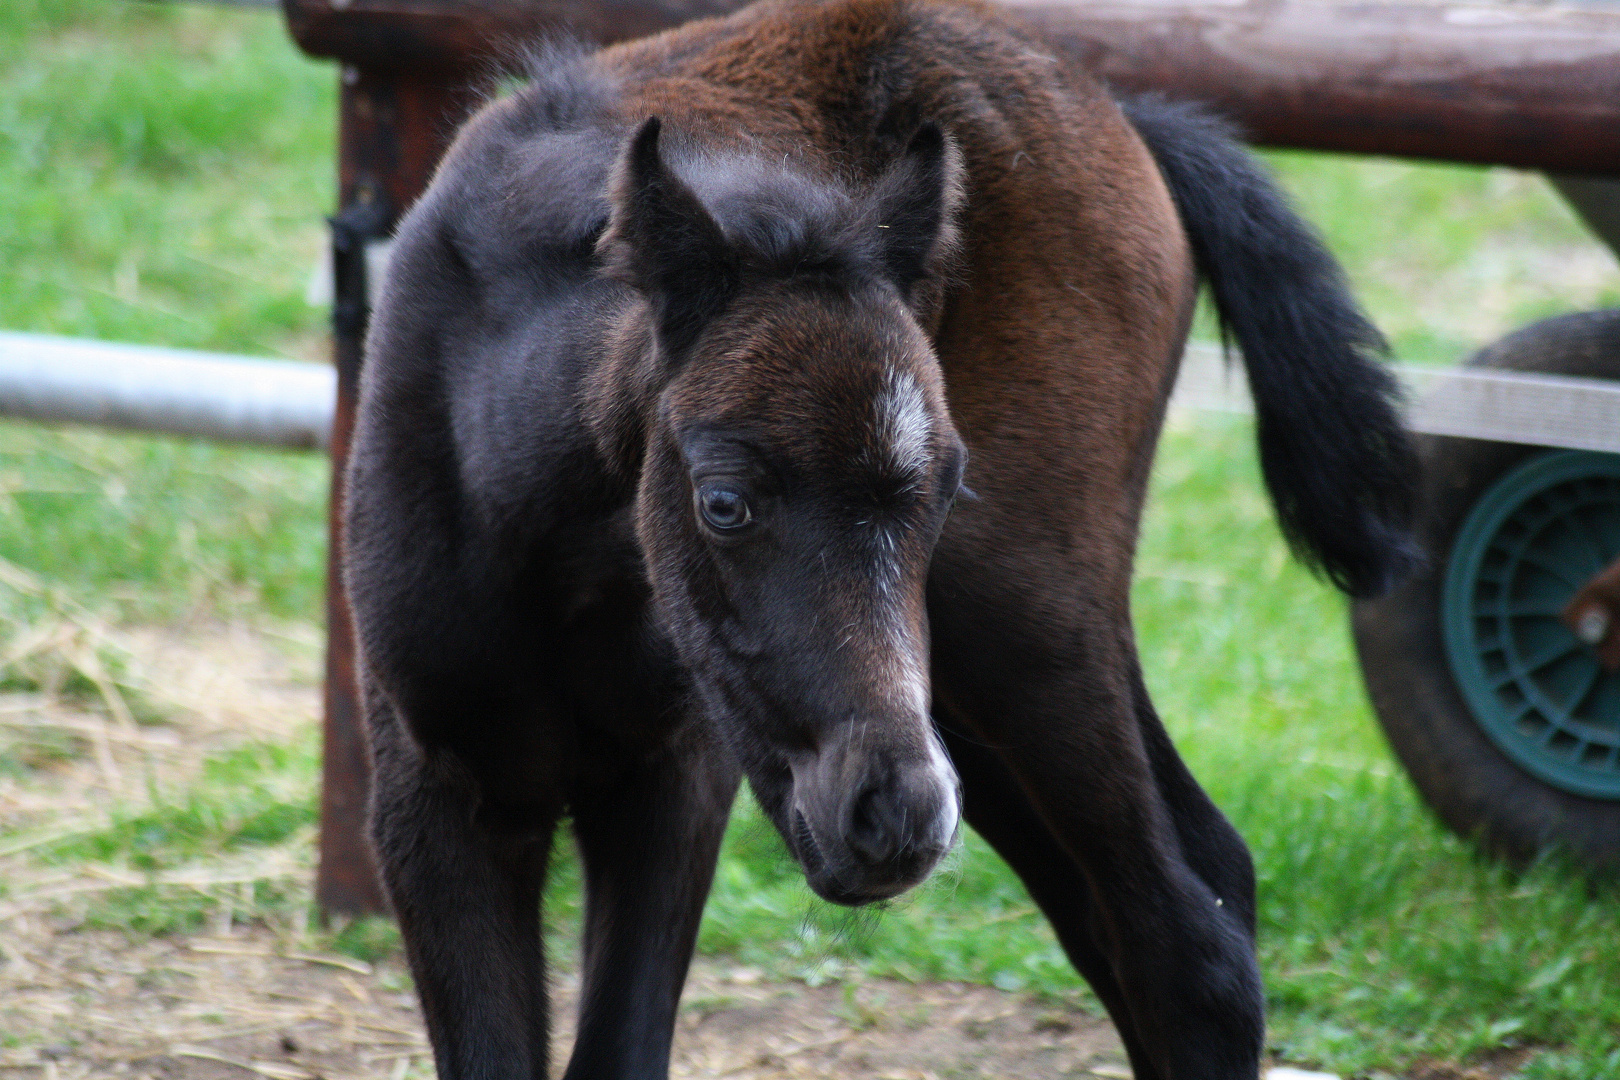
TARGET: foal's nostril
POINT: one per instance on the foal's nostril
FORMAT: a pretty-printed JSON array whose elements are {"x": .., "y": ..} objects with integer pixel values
[{"x": 876, "y": 830}]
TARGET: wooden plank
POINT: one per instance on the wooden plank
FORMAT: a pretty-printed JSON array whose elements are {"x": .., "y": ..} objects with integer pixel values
[
  {"x": 1531, "y": 85},
  {"x": 1509, "y": 406}
]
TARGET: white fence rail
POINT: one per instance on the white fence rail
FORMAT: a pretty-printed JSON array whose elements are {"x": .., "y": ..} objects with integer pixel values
[
  {"x": 171, "y": 391},
  {"x": 1474, "y": 403}
]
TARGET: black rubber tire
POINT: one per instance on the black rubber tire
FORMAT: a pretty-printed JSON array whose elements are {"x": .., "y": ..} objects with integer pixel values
[{"x": 1476, "y": 790}]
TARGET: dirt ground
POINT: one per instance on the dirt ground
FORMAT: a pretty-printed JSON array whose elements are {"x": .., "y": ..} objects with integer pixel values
[
  {"x": 256, "y": 999},
  {"x": 220, "y": 1008}
]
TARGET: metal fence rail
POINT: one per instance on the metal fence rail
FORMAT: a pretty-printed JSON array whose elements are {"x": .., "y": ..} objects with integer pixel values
[
  {"x": 1473, "y": 403},
  {"x": 171, "y": 391}
]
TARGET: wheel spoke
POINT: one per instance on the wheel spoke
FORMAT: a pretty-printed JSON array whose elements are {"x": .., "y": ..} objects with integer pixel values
[
  {"x": 1530, "y": 667},
  {"x": 1550, "y": 609},
  {"x": 1526, "y": 707},
  {"x": 1552, "y": 655},
  {"x": 1557, "y": 570},
  {"x": 1594, "y": 542},
  {"x": 1547, "y": 736},
  {"x": 1593, "y": 676}
]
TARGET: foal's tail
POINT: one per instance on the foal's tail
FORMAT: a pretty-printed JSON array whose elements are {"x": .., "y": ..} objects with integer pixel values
[{"x": 1340, "y": 467}]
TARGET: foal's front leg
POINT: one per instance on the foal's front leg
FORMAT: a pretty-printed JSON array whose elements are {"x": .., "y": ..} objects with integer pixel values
[
  {"x": 465, "y": 880},
  {"x": 648, "y": 843}
]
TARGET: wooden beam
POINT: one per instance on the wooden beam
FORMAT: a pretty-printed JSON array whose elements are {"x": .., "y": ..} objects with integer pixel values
[
  {"x": 1527, "y": 85},
  {"x": 472, "y": 36},
  {"x": 1490, "y": 83}
]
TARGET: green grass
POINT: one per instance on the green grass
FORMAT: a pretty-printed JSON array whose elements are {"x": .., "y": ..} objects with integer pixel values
[
  {"x": 163, "y": 170},
  {"x": 254, "y": 797},
  {"x": 165, "y": 528}
]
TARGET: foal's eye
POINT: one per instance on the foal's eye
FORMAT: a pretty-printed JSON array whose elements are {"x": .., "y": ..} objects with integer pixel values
[{"x": 723, "y": 508}]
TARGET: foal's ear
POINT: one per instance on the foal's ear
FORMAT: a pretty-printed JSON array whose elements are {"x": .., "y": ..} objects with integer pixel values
[
  {"x": 914, "y": 204},
  {"x": 662, "y": 240}
]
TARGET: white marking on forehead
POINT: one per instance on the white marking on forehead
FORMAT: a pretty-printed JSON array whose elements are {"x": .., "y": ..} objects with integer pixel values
[{"x": 904, "y": 424}]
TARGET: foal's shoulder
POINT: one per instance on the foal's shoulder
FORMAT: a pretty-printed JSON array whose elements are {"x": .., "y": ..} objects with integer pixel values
[
  {"x": 526, "y": 174},
  {"x": 491, "y": 278},
  {"x": 509, "y": 220}
]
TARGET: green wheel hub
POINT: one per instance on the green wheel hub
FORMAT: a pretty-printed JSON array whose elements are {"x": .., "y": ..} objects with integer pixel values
[{"x": 1538, "y": 534}]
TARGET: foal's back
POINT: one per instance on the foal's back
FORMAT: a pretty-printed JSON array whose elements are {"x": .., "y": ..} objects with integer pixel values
[{"x": 1057, "y": 329}]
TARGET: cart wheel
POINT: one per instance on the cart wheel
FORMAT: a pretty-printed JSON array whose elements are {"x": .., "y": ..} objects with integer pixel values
[{"x": 1509, "y": 727}]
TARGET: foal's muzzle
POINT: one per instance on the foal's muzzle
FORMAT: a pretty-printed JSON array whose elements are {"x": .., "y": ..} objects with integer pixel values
[{"x": 868, "y": 824}]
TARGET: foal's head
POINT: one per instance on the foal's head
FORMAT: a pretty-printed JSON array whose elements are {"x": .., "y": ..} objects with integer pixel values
[{"x": 797, "y": 462}]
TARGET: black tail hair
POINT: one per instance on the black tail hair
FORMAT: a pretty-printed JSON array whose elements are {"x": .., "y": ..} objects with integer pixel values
[{"x": 1340, "y": 466}]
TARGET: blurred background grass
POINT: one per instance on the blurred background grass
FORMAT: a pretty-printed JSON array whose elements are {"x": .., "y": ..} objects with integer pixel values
[{"x": 163, "y": 174}]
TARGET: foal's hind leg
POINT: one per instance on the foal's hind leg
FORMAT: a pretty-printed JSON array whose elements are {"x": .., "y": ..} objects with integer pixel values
[
  {"x": 648, "y": 842},
  {"x": 1209, "y": 843},
  {"x": 998, "y": 810},
  {"x": 465, "y": 883},
  {"x": 1058, "y": 704}
]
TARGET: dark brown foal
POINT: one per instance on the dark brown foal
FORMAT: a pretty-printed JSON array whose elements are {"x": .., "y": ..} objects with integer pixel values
[{"x": 775, "y": 398}]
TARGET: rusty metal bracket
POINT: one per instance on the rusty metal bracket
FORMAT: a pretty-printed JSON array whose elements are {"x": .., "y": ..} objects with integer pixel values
[{"x": 359, "y": 226}]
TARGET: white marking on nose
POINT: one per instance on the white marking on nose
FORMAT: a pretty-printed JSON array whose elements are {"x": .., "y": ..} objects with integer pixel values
[
  {"x": 904, "y": 424},
  {"x": 906, "y": 677},
  {"x": 945, "y": 776}
]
